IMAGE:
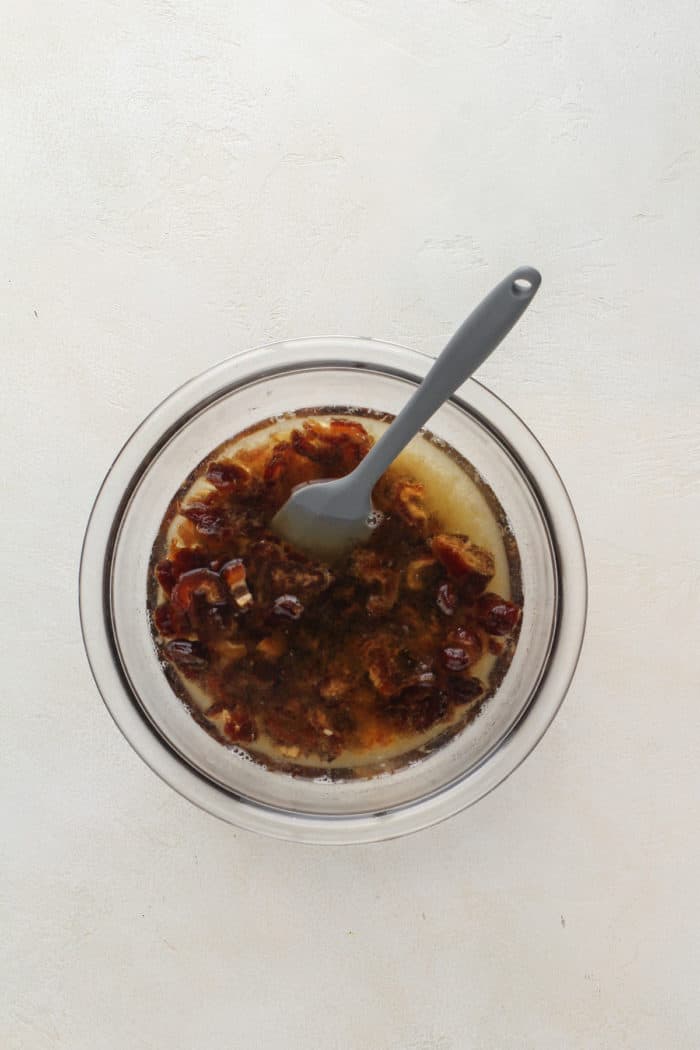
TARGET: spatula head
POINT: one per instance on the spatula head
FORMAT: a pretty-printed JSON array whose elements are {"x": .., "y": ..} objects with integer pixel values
[{"x": 325, "y": 518}]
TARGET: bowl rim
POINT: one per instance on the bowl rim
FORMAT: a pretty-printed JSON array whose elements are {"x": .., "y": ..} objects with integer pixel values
[{"x": 169, "y": 416}]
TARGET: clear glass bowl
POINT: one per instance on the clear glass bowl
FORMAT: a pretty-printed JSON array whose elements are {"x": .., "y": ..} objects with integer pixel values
[{"x": 242, "y": 391}]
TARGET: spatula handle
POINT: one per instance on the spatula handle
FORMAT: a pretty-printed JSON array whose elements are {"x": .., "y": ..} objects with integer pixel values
[{"x": 468, "y": 348}]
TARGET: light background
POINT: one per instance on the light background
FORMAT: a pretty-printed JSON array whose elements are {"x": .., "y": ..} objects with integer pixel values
[{"x": 182, "y": 180}]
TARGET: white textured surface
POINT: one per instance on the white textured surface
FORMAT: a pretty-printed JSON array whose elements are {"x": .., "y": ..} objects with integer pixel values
[{"x": 182, "y": 180}]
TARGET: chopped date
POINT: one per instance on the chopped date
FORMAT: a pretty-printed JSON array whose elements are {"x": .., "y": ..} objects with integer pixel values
[
  {"x": 409, "y": 497},
  {"x": 209, "y": 620},
  {"x": 231, "y": 652},
  {"x": 496, "y": 614},
  {"x": 391, "y": 671},
  {"x": 424, "y": 675},
  {"x": 289, "y": 576},
  {"x": 234, "y": 721},
  {"x": 286, "y": 468},
  {"x": 207, "y": 518},
  {"x": 381, "y": 604},
  {"x": 463, "y": 559},
  {"x": 188, "y": 656},
  {"x": 278, "y": 462},
  {"x": 234, "y": 573},
  {"x": 466, "y": 640},
  {"x": 455, "y": 658},
  {"x": 460, "y": 690},
  {"x": 288, "y": 607},
  {"x": 302, "y": 729},
  {"x": 330, "y": 736},
  {"x": 337, "y": 448},
  {"x": 420, "y": 572},
  {"x": 267, "y": 551},
  {"x": 272, "y": 647},
  {"x": 384, "y": 673},
  {"x": 367, "y": 566},
  {"x": 185, "y": 559},
  {"x": 202, "y": 583},
  {"x": 430, "y": 711},
  {"x": 352, "y": 431},
  {"x": 305, "y": 445},
  {"x": 170, "y": 620},
  {"x": 418, "y": 708},
  {"x": 165, "y": 575},
  {"x": 229, "y": 477},
  {"x": 334, "y": 687},
  {"x": 447, "y": 599},
  {"x": 239, "y": 728},
  {"x": 182, "y": 559}
]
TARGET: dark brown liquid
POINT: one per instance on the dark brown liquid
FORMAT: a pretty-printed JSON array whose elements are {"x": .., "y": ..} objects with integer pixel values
[{"x": 316, "y": 667}]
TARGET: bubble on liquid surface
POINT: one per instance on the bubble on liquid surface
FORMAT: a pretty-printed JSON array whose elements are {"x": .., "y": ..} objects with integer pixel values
[
  {"x": 240, "y": 753},
  {"x": 374, "y": 519}
]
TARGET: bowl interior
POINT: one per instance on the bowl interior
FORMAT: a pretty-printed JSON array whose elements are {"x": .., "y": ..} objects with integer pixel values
[{"x": 307, "y": 381}]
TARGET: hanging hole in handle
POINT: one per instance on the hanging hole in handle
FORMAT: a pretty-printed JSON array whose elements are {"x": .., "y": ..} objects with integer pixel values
[{"x": 521, "y": 286}]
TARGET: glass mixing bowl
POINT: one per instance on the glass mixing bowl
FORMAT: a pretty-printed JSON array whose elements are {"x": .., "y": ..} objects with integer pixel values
[{"x": 234, "y": 395}]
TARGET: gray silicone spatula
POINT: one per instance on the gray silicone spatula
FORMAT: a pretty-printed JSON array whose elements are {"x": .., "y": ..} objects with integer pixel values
[{"x": 326, "y": 518}]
